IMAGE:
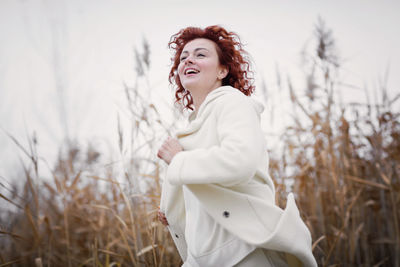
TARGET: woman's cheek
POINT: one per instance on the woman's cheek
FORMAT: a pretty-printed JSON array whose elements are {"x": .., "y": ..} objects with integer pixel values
[{"x": 180, "y": 67}]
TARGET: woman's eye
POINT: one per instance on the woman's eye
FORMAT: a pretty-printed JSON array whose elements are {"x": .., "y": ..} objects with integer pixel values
[
  {"x": 200, "y": 55},
  {"x": 183, "y": 58}
]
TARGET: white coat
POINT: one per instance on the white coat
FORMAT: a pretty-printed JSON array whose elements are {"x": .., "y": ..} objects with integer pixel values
[{"x": 225, "y": 165}]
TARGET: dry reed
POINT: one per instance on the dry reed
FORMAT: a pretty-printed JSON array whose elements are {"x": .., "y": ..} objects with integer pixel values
[{"x": 345, "y": 163}]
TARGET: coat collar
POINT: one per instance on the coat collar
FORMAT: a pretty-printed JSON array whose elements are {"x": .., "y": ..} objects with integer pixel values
[
  {"x": 209, "y": 98},
  {"x": 196, "y": 118}
]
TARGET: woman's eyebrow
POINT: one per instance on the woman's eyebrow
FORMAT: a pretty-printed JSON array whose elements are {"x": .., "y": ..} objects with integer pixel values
[{"x": 197, "y": 49}]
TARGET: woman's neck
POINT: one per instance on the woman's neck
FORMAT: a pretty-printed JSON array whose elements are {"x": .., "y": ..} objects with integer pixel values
[
  {"x": 198, "y": 95},
  {"x": 198, "y": 99}
]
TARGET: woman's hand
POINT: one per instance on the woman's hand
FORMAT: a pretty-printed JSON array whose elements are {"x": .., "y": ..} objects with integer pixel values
[
  {"x": 162, "y": 218},
  {"x": 169, "y": 149}
]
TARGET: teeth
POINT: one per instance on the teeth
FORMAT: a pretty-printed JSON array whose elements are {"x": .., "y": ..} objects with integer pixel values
[{"x": 190, "y": 71}]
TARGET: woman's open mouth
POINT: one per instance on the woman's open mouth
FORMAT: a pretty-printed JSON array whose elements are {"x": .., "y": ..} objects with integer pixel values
[{"x": 191, "y": 71}]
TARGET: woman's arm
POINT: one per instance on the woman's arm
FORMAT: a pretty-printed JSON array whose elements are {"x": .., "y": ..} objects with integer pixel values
[{"x": 235, "y": 160}]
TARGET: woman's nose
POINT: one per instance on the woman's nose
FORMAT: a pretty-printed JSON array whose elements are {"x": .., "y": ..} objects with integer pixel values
[{"x": 189, "y": 59}]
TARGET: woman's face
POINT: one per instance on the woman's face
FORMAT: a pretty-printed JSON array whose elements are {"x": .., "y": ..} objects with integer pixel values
[{"x": 199, "y": 66}]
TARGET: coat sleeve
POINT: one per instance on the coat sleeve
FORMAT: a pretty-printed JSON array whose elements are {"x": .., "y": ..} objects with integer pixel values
[{"x": 235, "y": 159}]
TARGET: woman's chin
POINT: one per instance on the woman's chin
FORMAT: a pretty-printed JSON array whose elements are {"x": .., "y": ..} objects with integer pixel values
[{"x": 189, "y": 86}]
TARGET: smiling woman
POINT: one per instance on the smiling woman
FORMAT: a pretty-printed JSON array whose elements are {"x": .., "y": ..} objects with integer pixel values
[
  {"x": 218, "y": 200},
  {"x": 218, "y": 42},
  {"x": 199, "y": 68}
]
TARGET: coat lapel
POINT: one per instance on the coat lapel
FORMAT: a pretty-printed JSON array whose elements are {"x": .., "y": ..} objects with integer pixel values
[{"x": 196, "y": 118}]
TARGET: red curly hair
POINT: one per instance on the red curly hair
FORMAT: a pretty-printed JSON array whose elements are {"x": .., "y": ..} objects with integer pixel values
[{"x": 230, "y": 55}]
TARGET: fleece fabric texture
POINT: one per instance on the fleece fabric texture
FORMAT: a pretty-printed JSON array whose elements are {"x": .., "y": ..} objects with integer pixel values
[{"x": 225, "y": 167}]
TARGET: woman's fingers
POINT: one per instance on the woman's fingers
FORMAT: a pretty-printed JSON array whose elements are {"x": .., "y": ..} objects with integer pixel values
[
  {"x": 160, "y": 153},
  {"x": 162, "y": 218},
  {"x": 169, "y": 149}
]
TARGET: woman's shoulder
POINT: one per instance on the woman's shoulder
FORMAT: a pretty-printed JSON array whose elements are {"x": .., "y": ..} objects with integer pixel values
[
  {"x": 232, "y": 95},
  {"x": 235, "y": 99}
]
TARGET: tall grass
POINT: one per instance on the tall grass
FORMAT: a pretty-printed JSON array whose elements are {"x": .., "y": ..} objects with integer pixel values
[
  {"x": 85, "y": 218},
  {"x": 343, "y": 161},
  {"x": 91, "y": 213}
]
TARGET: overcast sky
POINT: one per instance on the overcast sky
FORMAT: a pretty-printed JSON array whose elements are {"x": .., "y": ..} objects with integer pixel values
[{"x": 86, "y": 47}]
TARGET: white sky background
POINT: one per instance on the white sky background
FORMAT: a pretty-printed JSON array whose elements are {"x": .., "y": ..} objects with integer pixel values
[{"x": 95, "y": 41}]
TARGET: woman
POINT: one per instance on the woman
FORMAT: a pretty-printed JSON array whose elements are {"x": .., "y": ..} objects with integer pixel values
[{"x": 217, "y": 198}]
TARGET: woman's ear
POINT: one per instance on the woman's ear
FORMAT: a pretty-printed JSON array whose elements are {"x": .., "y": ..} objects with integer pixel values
[{"x": 223, "y": 72}]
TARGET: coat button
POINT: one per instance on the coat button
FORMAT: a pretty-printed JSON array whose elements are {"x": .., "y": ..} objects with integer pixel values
[
  {"x": 226, "y": 214},
  {"x": 177, "y": 236}
]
